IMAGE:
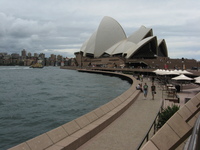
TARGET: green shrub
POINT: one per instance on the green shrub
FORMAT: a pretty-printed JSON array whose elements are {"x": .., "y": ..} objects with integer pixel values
[{"x": 166, "y": 114}]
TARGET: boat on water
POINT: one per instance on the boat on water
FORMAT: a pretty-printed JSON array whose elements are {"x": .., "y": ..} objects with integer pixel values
[{"x": 37, "y": 65}]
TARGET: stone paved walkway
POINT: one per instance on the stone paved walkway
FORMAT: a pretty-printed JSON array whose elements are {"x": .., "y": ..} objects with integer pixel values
[{"x": 127, "y": 131}]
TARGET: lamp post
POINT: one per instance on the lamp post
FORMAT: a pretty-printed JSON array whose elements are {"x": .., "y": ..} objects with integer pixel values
[{"x": 183, "y": 64}]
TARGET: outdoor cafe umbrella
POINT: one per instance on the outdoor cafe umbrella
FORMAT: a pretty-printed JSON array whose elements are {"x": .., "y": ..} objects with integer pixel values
[
  {"x": 197, "y": 80},
  {"x": 162, "y": 72},
  {"x": 182, "y": 72},
  {"x": 172, "y": 72},
  {"x": 165, "y": 75},
  {"x": 165, "y": 72},
  {"x": 186, "y": 72},
  {"x": 158, "y": 71},
  {"x": 182, "y": 79}
]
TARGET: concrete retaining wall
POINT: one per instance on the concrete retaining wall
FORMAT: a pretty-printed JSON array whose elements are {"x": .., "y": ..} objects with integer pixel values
[{"x": 73, "y": 134}]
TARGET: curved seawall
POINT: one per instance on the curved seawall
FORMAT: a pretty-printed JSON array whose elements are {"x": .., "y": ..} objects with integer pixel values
[{"x": 76, "y": 132}]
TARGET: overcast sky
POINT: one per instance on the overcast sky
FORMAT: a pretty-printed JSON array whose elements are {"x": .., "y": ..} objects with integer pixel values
[{"x": 61, "y": 26}]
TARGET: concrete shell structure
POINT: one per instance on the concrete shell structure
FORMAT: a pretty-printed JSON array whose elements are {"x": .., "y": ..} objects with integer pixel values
[
  {"x": 140, "y": 34},
  {"x": 109, "y": 33},
  {"x": 162, "y": 48},
  {"x": 119, "y": 48},
  {"x": 145, "y": 48},
  {"x": 110, "y": 40}
]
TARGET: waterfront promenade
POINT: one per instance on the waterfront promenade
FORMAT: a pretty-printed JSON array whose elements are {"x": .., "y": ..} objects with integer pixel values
[{"x": 127, "y": 131}]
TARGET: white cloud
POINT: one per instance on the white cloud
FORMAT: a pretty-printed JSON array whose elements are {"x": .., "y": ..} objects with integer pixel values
[{"x": 186, "y": 54}]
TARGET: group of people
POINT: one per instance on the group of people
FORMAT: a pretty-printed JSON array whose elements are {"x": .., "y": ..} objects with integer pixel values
[
  {"x": 153, "y": 90},
  {"x": 144, "y": 89}
]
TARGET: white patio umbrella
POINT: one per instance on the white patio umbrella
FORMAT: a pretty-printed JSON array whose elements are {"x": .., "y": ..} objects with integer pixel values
[
  {"x": 182, "y": 77},
  {"x": 159, "y": 71},
  {"x": 167, "y": 72},
  {"x": 183, "y": 72},
  {"x": 156, "y": 70},
  {"x": 177, "y": 71},
  {"x": 172, "y": 72},
  {"x": 197, "y": 78},
  {"x": 162, "y": 72},
  {"x": 186, "y": 72},
  {"x": 197, "y": 81}
]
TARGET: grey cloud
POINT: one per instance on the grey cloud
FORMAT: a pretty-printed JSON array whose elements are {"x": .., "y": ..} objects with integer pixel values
[{"x": 51, "y": 26}]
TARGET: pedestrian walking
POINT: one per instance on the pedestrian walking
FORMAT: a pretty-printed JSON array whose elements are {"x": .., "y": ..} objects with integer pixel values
[
  {"x": 138, "y": 77},
  {"x": 153, "y": 90},
  {"x": 141, "y": 87},
  {"x": 145, "y": 90},
  {"x": 153, "y": 79}
]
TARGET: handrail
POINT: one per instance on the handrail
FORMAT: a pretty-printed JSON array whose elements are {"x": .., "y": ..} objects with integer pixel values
[
  {"x": 153, "y": 125},
  {"x": 194, "y": 139}
]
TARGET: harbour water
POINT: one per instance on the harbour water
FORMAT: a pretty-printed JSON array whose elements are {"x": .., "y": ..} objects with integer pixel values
[{"x": 34, "y": 101}]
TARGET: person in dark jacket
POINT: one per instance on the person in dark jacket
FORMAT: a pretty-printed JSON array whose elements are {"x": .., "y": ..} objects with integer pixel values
[
  {"x": 145, "y": 90},
  {"x": 153, "y": 90}
]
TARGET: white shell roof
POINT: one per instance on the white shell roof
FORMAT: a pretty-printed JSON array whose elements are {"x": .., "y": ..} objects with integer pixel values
[
  {"x": 140, "y": 34},
  {"x": 109, "y": 33},
  {"x": 111, "y": 50},
  {"x": 110, "y": 38},
  {"x": 136, "y": 47},
  {"x": 83, "y": 47},
  {"x": 90, "y": 45},
  {"x": 131, "y": 50},
  {"x": 145, "y": 40},
  {"x": 119, "y": 47},
  {"x": 162, "y": 43}
]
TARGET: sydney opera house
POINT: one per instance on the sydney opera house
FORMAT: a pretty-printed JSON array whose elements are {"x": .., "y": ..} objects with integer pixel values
[{"x": 109, "y": 46}]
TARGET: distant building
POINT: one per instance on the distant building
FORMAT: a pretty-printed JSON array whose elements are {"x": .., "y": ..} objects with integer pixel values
[
  {"x": 7, "y": 59},
  {"x": 42, "y": 55},
  {"x": 59, "y": 60},
  {"x": 23, "y": 53},
  {"x": 52, "y": 60},
  {"x": 3, "y": 54},
  {"x": 15, "y": 58},
  {"x": 29, "y": 55},
  {"x": 35, "y": 54},
  {"x": 109, "y": 46},
  {"x": 27, "y": 60}
]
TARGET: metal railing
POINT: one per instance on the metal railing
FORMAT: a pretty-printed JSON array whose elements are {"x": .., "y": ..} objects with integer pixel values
[
  {"x": 193, "y": 142},
  {"x": 152, "y": 126}
]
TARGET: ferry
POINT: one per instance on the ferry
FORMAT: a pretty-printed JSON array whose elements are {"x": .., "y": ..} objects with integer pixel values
[{"x": 37, "y": 65}]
